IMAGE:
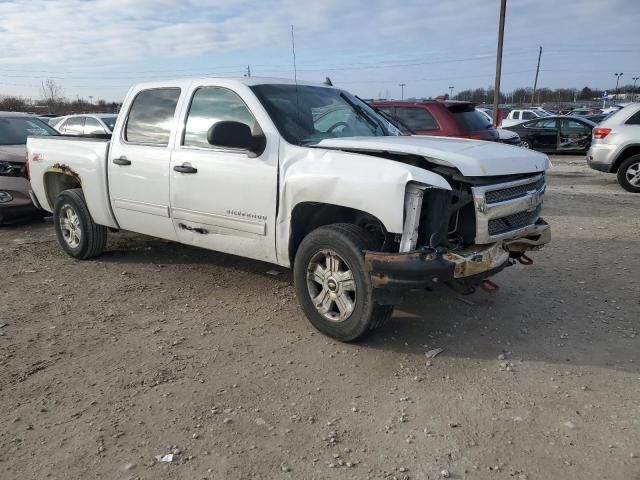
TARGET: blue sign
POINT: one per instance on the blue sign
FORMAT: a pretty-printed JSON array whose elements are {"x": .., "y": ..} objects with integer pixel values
[{"x": 605, "y": 95}]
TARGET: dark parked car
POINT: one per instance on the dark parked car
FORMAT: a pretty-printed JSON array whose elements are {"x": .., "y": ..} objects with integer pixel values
[
  {"x": 14, "y": 183},
  {"x": 555, "y": 134},
  {"x": 597, "y": 118},
  {"x": 445, "y": 119}
]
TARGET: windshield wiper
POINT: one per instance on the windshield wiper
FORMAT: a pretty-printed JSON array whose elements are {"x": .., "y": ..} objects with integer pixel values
[
  {"x": 396, "y": 122},
  {"x": 360, "y": 111}
]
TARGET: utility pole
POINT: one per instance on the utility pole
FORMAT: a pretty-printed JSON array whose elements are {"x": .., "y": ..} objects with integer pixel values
[
  {"x": 402, "y": 91},
  {"x": 633, "y": 94},
  {"x": 496, "y": 89},
  {"x": 248, "y": 74},
  {"x": 535, "y": 82},
  {"x": 91, "y": 99},
  {"x": 450, "y": 91},
  {"x": 618, "y": 75}
]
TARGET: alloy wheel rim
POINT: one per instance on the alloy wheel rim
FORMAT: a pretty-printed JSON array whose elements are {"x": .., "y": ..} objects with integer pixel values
[
  {"x": 70, "y": 226},
  {"x": 331, "y": 286},
  {"x": 633, "y": 174}
]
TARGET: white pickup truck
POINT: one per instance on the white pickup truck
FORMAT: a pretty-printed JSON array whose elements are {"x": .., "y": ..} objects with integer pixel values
[
  {"x": 518, "y": 116},
  {"x": 301, "y": 175}
]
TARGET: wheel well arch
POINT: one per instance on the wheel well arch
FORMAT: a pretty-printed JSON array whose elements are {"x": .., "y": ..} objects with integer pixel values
[
  {"x": 58, "y": 179},
  {"x": 308, "y": 216},
  {"x": 628, "y": 151}
]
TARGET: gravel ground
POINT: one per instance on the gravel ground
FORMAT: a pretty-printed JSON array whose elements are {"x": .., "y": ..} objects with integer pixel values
[{"x": 157, "y": 348}]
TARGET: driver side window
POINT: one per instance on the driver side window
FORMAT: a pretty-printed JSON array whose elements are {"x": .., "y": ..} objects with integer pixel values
[{"x": 210, "y": 105}]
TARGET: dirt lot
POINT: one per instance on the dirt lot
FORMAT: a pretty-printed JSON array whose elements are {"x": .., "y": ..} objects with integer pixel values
[{"x": 156, "y": 348}]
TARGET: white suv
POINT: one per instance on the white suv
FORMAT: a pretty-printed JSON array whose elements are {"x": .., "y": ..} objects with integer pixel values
[{"x": 616, "y": 147}]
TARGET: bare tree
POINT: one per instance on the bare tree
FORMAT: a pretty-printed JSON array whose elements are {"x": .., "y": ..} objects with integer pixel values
[{"x": 51, "y": 92}]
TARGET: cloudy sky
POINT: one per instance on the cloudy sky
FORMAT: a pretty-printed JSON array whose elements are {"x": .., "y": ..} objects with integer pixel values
[{"x": 101, "y": 47}]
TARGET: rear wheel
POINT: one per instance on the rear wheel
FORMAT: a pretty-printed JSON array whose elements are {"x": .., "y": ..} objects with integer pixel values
[
  {"x": 629, "y": 174},
  {"x": 333, "y": 285},
  {"x": 77, "y": 233}
]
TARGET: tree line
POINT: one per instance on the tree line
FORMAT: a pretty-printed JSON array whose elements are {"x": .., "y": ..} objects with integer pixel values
[
  {"x": 521, "y": 96},
  {"x": 52, "y": 100}
]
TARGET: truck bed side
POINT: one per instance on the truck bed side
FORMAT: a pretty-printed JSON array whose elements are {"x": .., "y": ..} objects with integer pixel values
[{"x": 59, "y": 163}]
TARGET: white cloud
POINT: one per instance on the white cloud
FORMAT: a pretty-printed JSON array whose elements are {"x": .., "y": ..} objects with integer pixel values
[{"x": 80, "y": 41}]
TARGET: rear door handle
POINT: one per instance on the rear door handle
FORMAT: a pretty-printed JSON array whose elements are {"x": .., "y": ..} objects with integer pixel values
[
  {"x": 185, "y": 169},
  {"x": 122, "y": 161}
]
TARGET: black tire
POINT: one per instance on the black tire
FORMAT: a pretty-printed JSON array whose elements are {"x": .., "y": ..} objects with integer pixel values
[
  {"x": 524, "y": 143},
  {"x": 92, "y": 237},
  {"x": 348, "y": 242},
  {"x": 633, "y": 160}
]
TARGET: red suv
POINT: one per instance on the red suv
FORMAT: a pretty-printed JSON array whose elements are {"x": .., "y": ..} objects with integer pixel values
[{"x": 446, "y": 119}]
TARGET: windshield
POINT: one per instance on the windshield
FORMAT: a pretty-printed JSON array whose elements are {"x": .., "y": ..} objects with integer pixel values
[
  {"x": 109, "y": 121},
  {"x": 305, "y": 114},
  {"x": 14, "y": 131}
]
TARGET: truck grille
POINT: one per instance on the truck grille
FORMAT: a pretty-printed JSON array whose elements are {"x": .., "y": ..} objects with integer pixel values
[
  {"x": 513, "y": 222},
  {"x": 507, "y": 209},
  {"x": 495, "y": 196}
]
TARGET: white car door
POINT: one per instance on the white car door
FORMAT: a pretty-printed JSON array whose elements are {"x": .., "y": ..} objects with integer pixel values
[
  {"x": 139, "y": 163},
  {"x": 223, "y": 198}
]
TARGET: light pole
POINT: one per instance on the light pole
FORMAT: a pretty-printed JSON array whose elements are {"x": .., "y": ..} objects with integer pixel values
[
  {"x": 633, "y": 95},
  {"x": 450, "y": 91},
  {"x": 402, "y": 91},
  {"x": 618, "y": 75},
  {"x": 496, "y": 88}
]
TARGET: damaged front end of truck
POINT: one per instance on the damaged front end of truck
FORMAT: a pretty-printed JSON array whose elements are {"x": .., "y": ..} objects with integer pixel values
[{"x": 463, "y": 236}]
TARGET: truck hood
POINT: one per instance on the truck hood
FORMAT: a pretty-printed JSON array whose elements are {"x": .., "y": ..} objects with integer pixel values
[{"x": 473, "y": 158}]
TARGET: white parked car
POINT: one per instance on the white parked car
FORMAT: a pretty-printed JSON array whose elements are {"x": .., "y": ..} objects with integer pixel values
[
  {"x": 85, "y": 124},
  {"x": 615, "y": 147},
  {"x": 521, "y": 115},
  {"x": 360, "y": 212}
]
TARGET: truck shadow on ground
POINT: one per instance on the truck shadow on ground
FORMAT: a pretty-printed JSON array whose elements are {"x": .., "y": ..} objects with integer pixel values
[
  {"x": 530, "y": 316},
  {"x": 554, "y": 311}
]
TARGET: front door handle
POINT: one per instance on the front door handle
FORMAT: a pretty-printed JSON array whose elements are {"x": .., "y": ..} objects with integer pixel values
[
  {"x": 185, "y": 169},
  {"x": 122, "y": 161}
]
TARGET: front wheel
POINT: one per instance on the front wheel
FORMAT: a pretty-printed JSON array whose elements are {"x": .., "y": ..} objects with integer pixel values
[
  {"x": 525, "y": 144},
  {"x": 629, "y": 174},
  {"x": 77, "y": 233},
  {"x": 332, "y": 284}
]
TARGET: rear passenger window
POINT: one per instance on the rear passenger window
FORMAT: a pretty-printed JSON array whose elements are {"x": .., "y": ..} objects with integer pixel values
[
  {"x": 212, "y": 105},
  {"x": 151, "y": 116},
  {"x": 516, "y": 115},
  {"x": 634, "y": 119},
  {"x": 416, "y": 118},
  {"x": 74, "y": 126}
]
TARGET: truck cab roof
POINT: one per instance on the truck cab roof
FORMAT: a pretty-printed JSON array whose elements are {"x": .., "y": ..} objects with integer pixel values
[{"x": 246, "y": 81}]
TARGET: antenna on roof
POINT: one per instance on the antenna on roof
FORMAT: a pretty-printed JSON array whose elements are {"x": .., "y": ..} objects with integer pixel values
[
  {"x": 328, "y": 82},
  {"x": 295, "y": 72},
  {"x": 293, "y": 50}
]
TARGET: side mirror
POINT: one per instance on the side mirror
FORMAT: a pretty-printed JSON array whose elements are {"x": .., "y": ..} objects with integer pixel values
[{"x": 235, "y": 135}]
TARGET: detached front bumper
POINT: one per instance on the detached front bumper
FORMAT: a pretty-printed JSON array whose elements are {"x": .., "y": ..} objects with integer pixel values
[{"x": 393, "y": 274}]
